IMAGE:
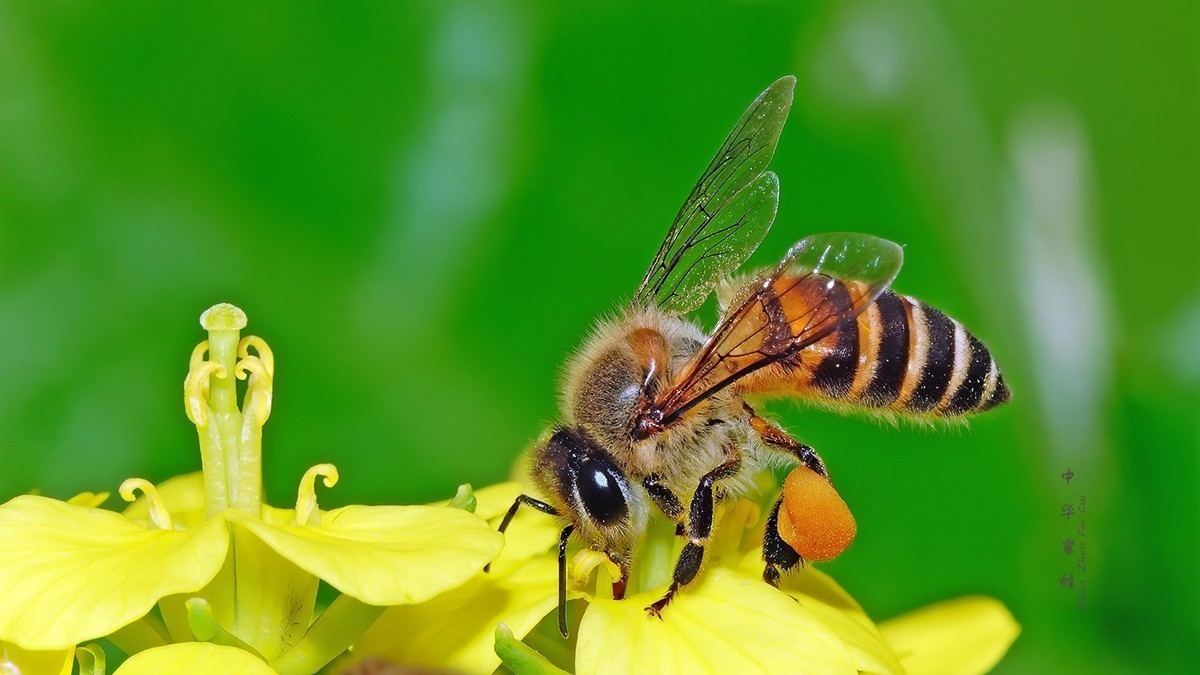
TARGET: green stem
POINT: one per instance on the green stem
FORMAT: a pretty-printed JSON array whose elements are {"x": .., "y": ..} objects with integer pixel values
[{"x": 332, "y": 633}]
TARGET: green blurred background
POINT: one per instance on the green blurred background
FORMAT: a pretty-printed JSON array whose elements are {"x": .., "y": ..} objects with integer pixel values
[{"x": 423, "y": 207}]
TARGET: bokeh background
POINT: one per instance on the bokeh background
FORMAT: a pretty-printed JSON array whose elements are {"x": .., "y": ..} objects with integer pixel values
[{"x": 423, "y": 207}]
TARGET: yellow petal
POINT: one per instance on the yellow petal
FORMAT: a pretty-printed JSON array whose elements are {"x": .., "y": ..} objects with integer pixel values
[
  {"x": 91, "y": 500},
  {"x": 820, "y": 595},
  {"x": 72, "y": 574},
  {"x": 456, "y": 630},
  {"x": 13, "y": 659},
  {"x": 385, "y": 555},
  {"x": 834, "y": 607},
  {"x": 277, "y": 516},
  {"x": 194, "y": 657},
  {"x": 965, "y": 635},
  {"x": 726, "y": 623}
]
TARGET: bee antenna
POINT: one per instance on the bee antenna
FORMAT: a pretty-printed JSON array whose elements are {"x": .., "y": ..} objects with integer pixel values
[{"x": 562, "y": 580}]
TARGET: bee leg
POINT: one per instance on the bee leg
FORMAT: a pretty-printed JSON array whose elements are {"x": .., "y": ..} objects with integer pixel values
[
  {"x": 686, "y": 568},
  {"x": 777, "y": 554},
  {"x": 512, "y": 511},
  {"x": 778, "y": 438},
  {"x": 700, "y": 521},
  {"x": 562, "y": 551},
  {"x": 665, "y": 500}
]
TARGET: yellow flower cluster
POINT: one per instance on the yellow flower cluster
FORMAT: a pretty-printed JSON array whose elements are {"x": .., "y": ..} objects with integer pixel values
[
  {"x": 201, "y": 559},
  {"x": 729, "y": 621}
]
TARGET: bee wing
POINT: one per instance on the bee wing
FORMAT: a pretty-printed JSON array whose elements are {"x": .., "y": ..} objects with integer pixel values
[
  {"x": 824, "y": 282},
  {"x": 727, "y": 213}
]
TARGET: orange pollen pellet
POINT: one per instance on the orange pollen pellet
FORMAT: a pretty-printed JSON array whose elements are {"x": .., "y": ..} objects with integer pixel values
[{"x": 814, "y": 520}]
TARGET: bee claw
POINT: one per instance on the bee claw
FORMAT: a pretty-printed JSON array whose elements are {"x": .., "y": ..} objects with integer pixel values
[{"x": 656, "y": 609}]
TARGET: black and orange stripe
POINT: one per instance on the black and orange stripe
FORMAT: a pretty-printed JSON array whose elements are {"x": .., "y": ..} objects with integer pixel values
[{"x": 900, "y": 356}]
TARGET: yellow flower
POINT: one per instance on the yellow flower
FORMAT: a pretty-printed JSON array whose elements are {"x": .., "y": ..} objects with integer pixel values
[
  {"x": 981, "y": 628},
  {"x": 212, "y": 560},
  {"x": 74, "y": 573},
  {"x": 455, "y": 629},
  {"x": 727, "y": 621},
  {"x": 194, "y": 657},
  {"x": 15, "y": 661}
]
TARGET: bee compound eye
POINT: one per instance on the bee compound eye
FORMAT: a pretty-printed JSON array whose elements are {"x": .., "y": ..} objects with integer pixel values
[{"x": 600, "y": 488}]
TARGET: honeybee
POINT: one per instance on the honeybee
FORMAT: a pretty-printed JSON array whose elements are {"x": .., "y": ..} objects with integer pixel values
[{"x": 653, "y": 409}]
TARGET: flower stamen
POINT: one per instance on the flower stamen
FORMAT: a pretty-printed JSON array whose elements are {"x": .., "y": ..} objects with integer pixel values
[
  {"x": 159, "y": 515},
  {"x": 195, "y": 390},
  {"x": 260, "y": 347},
  {"x": 206, "y": 628},
  {"x": 306, "y": 497},
  {"x": 198, "y": 355},
  {"x": 587, "y": 560},
  {"x": 91, "y": 659},
  {"x": 257, "y": 401},
  {"x": 201, "y": 620}
]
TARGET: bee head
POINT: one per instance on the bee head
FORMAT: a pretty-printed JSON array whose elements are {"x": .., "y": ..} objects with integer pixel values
[{"x": 589, "y": 487}]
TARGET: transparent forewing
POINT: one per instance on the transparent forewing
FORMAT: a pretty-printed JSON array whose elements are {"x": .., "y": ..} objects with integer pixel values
[
  {"x": 727, "y": 214},
  {"x": 723, "y": 245},
  {"x": 822, "y": 283}
]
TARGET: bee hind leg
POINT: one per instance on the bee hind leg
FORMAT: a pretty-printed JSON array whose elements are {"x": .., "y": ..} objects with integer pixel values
[
  {"x": 780, "y": 440},
  {"x": 777, "y": 554},
  {"x": 699, "y": 529}
]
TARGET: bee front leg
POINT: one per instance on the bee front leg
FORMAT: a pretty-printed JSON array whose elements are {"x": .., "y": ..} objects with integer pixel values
[
  {"x": 665, "y": 500},
  {"x": 699, "y": 529},
  {"x": 522, "y": 500}
]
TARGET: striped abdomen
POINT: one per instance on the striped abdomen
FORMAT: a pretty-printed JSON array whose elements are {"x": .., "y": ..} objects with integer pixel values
[{"x": 900, "y": 356}]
